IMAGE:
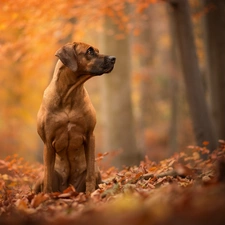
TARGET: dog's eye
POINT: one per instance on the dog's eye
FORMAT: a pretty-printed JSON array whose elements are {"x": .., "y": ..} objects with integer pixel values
[{"x": 90, "y": 51}]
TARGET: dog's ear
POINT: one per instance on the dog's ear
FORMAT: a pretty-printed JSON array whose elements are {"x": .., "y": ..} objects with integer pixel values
[{"x": 67, "y": 56}]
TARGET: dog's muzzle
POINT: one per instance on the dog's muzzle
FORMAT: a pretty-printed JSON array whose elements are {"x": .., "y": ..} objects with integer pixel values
[{"x": 109, "y": 64}]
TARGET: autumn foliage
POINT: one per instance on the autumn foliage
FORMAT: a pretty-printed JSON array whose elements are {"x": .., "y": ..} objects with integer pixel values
[
  {"x": 31, "y": 32},
  {"x": 183, "y": 189},
  {"x": 187, "y": 188}
]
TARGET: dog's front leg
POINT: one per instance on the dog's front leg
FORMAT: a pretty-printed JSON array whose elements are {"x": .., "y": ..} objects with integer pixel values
[
  {"x": 49, "y": 161},
  {"x": 90, "y": 161}
]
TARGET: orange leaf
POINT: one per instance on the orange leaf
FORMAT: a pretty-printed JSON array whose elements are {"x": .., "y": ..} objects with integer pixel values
[
  {"x": 38, "y": 199},
  {"x": 205, "y": 143}
]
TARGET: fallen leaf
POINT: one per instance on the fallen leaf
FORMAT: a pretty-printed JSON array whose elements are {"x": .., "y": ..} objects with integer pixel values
[
  {"x": 21, "y": 204},
  {"x": 182, "y": 170},
  {"x": 38, "y": 199}
]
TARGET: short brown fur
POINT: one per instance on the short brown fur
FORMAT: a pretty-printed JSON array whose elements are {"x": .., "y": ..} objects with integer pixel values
[{"x": 66, "y": 120}]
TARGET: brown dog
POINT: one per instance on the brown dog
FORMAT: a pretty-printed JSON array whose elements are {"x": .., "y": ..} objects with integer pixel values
[{"x": 66, "y": 120}]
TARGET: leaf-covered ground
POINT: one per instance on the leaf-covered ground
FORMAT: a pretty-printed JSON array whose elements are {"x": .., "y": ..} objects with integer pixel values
[{"x": 183, "y": 189}]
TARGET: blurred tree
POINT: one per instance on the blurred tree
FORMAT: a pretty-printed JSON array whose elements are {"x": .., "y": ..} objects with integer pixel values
[
  {"x": 116, "y": 90},
  {"x": 174, "y": 84},
  {"x": 195, "y": 93},
  {"x": 215, "y": 44},
  {"x": 146, "y": 40},
  {"x": 144, "y": 45}
]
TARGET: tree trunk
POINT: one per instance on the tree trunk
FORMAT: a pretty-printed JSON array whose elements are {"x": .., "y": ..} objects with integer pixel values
[
  {"x": 117, "y": 106},
  {"x": 215, "y": 45},
  {"x": 147, "y": 42},
  {"x": 174, "y": 87},
  {"x": 194, "y": 87}
]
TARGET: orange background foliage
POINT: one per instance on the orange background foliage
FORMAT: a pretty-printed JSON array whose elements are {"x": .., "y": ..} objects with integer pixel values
[{"x": 31, "y": 32}]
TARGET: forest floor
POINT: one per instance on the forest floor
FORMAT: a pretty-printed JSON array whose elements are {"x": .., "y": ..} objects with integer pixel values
[{"x": 183, "y": 189}]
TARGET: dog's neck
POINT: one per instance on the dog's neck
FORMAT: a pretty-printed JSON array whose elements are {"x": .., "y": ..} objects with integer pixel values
[{"x": 65, "y": 86}]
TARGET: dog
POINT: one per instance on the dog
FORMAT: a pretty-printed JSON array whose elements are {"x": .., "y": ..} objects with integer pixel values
[{"x": 66, "y": 120}]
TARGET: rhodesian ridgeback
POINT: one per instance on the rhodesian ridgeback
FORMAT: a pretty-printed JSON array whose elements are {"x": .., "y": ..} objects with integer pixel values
[{"x": 66, "y": 120}]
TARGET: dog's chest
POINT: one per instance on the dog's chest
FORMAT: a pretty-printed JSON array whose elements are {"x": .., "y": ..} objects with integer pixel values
[
  {"x": 82, "y": 113},
  {"x": 71, "y": 128},
  {"x": 81, "y": 119}
]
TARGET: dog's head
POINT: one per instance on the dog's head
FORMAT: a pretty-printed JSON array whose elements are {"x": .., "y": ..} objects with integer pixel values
[{"x": 85, "y": 59}]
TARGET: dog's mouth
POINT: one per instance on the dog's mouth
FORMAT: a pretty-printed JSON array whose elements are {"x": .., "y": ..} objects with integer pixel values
[
  {"x": 102, "y": 71},
  {"x": 108, "y": 70},
  {"x": 105, "y": 69}
]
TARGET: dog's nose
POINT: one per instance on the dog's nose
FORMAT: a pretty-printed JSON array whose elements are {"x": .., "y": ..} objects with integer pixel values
[{"x": 112, "y": 59}]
